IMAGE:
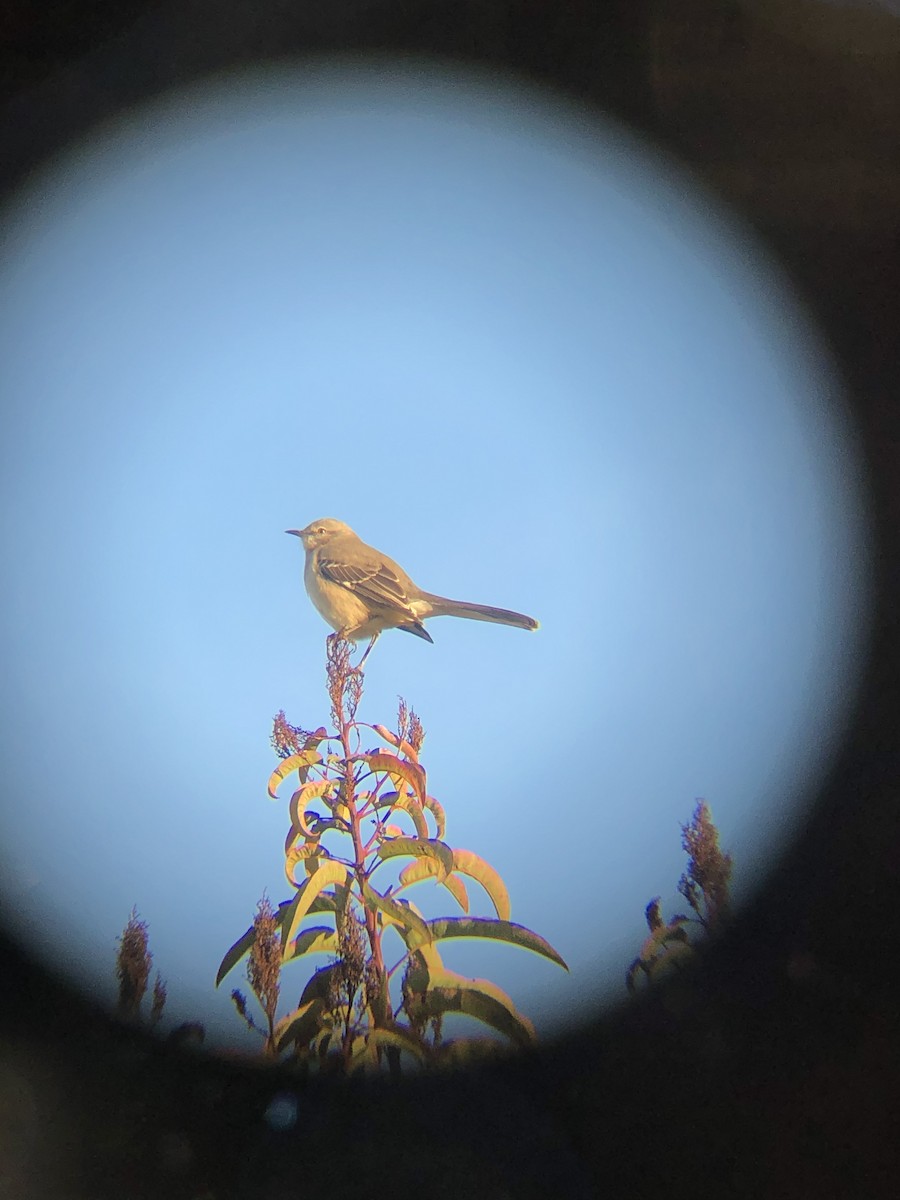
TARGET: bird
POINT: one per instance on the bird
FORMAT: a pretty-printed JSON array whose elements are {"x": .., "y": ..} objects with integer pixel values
[{"x": 361, "y": 592}]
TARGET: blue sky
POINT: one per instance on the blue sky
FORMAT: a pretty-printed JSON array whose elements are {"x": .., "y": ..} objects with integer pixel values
[{"x": 518, "y": 352}]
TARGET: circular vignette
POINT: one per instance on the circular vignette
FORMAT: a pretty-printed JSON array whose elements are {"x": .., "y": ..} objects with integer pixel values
[{"x": 710, "y": 529}]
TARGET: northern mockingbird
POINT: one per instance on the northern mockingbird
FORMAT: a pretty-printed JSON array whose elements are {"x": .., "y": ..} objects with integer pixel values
[{"x": 360, "y": 591}]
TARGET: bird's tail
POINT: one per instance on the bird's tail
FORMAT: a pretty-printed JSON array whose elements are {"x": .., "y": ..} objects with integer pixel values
[{"x": 442, "y": 607}]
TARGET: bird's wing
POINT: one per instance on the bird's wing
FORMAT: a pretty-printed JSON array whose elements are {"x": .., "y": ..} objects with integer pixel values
[{"x": 372, "y": 579}]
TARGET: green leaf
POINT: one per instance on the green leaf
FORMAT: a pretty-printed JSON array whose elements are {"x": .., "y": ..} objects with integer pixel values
[
  {"x": 328, "y": 873},
  {"x": 302, "y": 799},
  {"x": 318, "y": 939},
  {"x": 423, "y": 963},
  {"x": 388, "y": 764},
  {"x": 415, "y": 872},
  {"x": 479, "y": 998},
  {"x": 437, "y": 811},
  {"x": 294, "y": 835},
  {"x": 316, "y": 738},
  {"x": 296, "y": 762},
  {"x": 457, "y": 890},
  {"x": 384, "y": 800},
  {"x": 394, "y": 740},
  {"x": 322, "y": 1040},
  {"x": 401, "y": 914},
  {"x": 468, "y": 863},
  {"x": 312, "y": 850},
  {"x": 432, "y": 849},
  {"x": 398, "y": 1038},
  {"x": 311, "y": 1014},
  {"x": 245, "y": 942},
  {"x": 484, "y": 927},
  {"x": 426, "y": 868},
  {"x": 362, "y": 1055},
  {"x": 300, "y": 1026},
  {"x": 663, "y": 939},
  {"x": 408, "y": 804},
  {"x": 319, "y": 984},
  {"x": 675, "y": 953},
  {"x": 321, "y": 825}
]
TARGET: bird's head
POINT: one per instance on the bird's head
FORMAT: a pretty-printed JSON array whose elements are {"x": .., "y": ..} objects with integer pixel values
[{"x": 317, "y": 533}]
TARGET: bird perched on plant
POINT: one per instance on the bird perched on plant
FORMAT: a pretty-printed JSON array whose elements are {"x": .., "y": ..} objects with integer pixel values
[{"x": 361, "y": 592}]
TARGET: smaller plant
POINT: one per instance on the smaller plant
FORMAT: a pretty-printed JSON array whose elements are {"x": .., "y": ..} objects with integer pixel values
[
  {"x": 705, "y": 887},
  {"x": 133, "y": 963},
  {"x": 705, "y": 882},
  {"x": 263, "y": 972}
]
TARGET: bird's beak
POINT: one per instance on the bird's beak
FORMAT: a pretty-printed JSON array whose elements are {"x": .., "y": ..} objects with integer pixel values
[{"x": 295, "y": 532}]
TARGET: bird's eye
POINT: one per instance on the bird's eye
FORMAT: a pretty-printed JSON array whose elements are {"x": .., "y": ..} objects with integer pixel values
[{"x": 321, "y": 529}]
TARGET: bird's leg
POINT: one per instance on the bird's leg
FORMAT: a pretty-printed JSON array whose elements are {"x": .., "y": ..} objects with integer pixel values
[{"x": 359, "y": 665}]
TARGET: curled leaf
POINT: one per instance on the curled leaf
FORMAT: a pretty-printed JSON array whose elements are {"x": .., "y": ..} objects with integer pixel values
[
  {"x": 302, "y": 799},
  {"x": 426, "y": 868},
  {"x": 394, "y": 801},
  {"x": 400, "y": 1039},
  {"x": 437, "y": 811},
  {"x": 327, "y": 873},
  {"x": 391, "y": 737},
  {"x": 408, "y": 772},
  {"x": 296, "y": 762},
  {"x": 304, "y": 854},
  {"x": 431, "y": 849},
  {"x": 448, "y": 992},
  {"x": 318, "y": 939},
  {"x": 468, "y": 863}
]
